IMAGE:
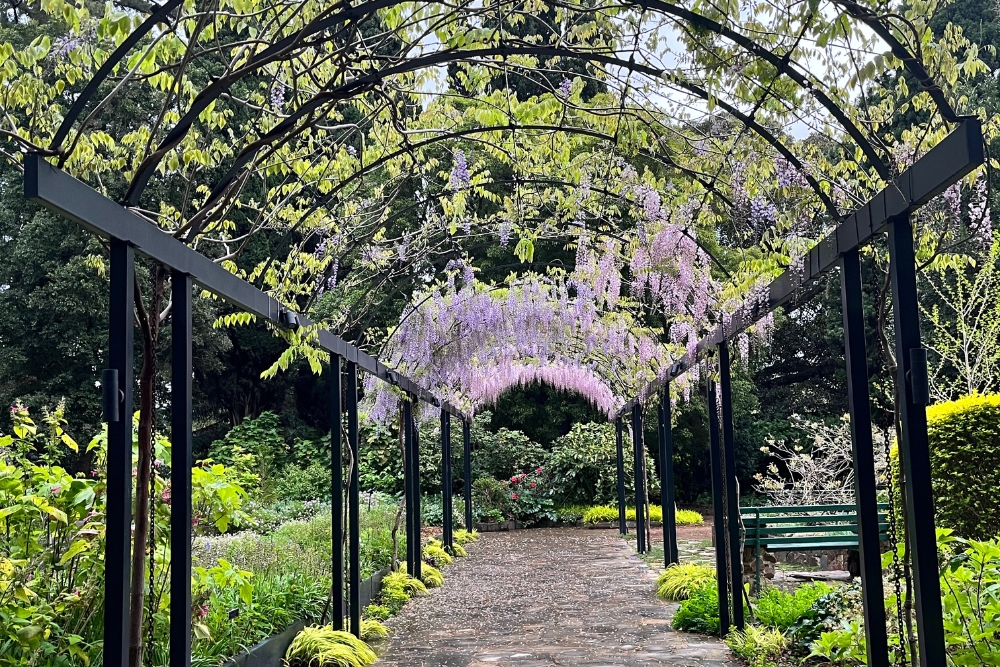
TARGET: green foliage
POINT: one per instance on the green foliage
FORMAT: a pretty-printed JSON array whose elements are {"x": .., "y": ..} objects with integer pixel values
[
  {"x": 431, "y": 576},
  {"x": 458, "y": 551},
  {"x": 680, "y": 581},
  {"x": 758, "y": 647},
  {"x": 700, "y": 612},
  {"x": 571, "y": 513},
  {"x": 490, "y": 499},
  {"x": 463, "y": 536},
  {"x": 435, "y": 554},
  {"x": 530, "y": 498},
  {"x": 845, "y": 646},
  {"x": 378, "y": 612},
  {"x": 583, "y": 466},
  {"x": 432, "y": 510},
  {"x": 263, "y": 439},
  {"x": 373, "y": 630},
  {"x": 829, "y": 613},
  {"x": 601, "y": 514},
  {"x": 965, "y": 460},
  {"x": 688, "y": 518},
  {"x": 298, "y": 483},
  {"x": 503, "y": 454},
  {"x": 322, "y": 646},
  {"x": 780, "y": 610}
]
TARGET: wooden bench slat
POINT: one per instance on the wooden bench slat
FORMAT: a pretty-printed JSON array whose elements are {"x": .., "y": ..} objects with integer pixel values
[{"x": 752, "y": 533}]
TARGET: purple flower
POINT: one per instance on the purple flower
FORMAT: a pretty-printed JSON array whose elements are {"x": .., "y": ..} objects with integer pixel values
[
  {"x": 459, "y": 172},
  {"x": 565, "y": 88}
]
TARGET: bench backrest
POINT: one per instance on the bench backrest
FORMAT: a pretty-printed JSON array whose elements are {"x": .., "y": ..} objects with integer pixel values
[{"x": 810, "y": 526}]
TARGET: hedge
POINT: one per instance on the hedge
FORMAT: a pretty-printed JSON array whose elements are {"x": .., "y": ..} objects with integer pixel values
[{"x": 964, "y": 440}]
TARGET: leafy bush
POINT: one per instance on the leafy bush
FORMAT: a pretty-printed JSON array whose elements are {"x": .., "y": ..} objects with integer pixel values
[
  {"x": 759, "y": 647},
  {"x": 829, "y": 612},
  {"x": 432, "y": 511},
  {"x": 688, "y": 518},
  {"x": 462, "y": 536},
  {"x": 298, "y": 483},
  {"x": 583, "y": 466},
  {"x": 431, "y": 576},
  {"x": 678, "y": 582},
  {"x": 378, "y": 612},
  {"x": 700, "y": 612},
  {"x": 458, "y": 551},
  {"x": 397, "y": 589},
  {"x": 571, "y": 513},
  {"x": 373, "y": 630},
  {"x": 503, "y": 454},
  {"x": 965, "y": 460},
  {"x": 601, "y": 514},
  {"x": 435, "y": 554},
  {"x": 777, "y": 609},
  {"x": 322, "y": 646},
  {"x": 530, "y": 500},
  {"x": 490, "y": 499}
]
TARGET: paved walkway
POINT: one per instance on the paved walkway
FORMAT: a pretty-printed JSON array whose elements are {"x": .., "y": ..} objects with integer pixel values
[{"x": 542, "y": 597}]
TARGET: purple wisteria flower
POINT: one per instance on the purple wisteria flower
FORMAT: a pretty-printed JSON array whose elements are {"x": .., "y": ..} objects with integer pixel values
[
  {"x": 565, "y": 88},
  {"x": 459, "y": 172}
]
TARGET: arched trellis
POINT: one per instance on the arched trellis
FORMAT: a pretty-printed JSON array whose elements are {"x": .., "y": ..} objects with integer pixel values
[{"x": 131, "y": 233}]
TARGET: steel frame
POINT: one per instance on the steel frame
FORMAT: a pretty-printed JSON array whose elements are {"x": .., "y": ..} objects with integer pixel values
[
  {"x": 129, "y": 234},
  {"x": 889, "y": 212}
]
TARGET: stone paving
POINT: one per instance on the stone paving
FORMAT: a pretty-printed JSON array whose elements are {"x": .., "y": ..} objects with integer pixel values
[{"x": 548, "y": 596}]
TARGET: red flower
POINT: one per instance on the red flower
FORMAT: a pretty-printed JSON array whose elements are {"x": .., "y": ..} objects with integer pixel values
[
  {"x": 513, "y": 496},
  {"x": 513, "y": 480},
  {"x": 532, "y": 485},
  {"x": 539, "y": 469}
]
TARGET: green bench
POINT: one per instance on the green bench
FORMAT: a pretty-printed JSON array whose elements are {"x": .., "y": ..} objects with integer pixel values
[{"x": 804, "y": 528}]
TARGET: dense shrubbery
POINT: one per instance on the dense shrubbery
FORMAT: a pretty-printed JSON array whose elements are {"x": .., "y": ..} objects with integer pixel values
[
  {"x": 583, "y": 466},
  {"x": 965, "y": 459}
]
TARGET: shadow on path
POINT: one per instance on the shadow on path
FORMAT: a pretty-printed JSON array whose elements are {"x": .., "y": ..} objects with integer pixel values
[{"x": 548, "y": 596}]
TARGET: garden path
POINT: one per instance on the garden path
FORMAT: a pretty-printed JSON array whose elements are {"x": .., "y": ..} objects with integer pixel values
[{"x": 548, "y": 596}]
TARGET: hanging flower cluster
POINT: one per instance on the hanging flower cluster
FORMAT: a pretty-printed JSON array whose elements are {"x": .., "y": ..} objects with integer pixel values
[{"x": 470, "y": 342}]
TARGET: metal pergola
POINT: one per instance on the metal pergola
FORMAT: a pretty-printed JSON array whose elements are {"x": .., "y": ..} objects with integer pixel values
[
  {"x": 129, "y": 234},
  {"x": 888, "y": 213}
]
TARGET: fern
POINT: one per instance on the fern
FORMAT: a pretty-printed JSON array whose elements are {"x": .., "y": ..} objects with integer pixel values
[
  {"x": 678, "y": 582},
  {"x": 322, "y": 646}
]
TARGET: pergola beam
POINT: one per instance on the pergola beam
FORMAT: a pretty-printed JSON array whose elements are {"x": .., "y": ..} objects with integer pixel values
[{"x": 61, "y": 193}]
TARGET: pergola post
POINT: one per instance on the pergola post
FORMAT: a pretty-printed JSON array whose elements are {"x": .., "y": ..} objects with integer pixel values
[
  {"x": 856, "y": 356},
  {"x": 638, "y": 470},
  {"x": 721, "y": 563},
  {"x": 180, "y": 471},
  {"x": 732, "y": 486},
  {"x": 118, "y": 518},
  {"x": 467, "y": 451},
  {"x": 446, "y": 504},
  {"x": 407, "y": 426},
  {"x": 667, "y": 480},
  {"x": 914, "y": 453},
  {"x": 337, "y": 489},
  {"x": 417, "y": 547},
  {"x": 354, "y": 500},
  {"x": 620, "y": 453}
]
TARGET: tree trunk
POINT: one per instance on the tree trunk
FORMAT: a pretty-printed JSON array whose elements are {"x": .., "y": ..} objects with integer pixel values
[{"x": 149, "y": 327}]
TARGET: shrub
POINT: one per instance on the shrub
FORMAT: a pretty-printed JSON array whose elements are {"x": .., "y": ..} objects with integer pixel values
[
  {"x": 601, "y": 514},
  {"x": 700, "y": 612},
  {"x": 688, "y": 518},
  {"x": 829, "y": 612},
  {"x": 678, "y": 582},
  {"x": 462, "y": 536},
  {"x": 431, "y": 576},
  {"x": 432, "y": 511},
  {"x": 435, "y": 554},
  {"x": 378, "y": 612},
  {"x": 503, "y": 454},
  {"x": 297, "y": 483},
  {"x": 530, "y": 499},
  {"x": 759, "y": 647},
  {"x": 322, "y": 646},
  {"x": 583, "y": 466},
  {"x": 490, "y": 499},
  {"x": 458, "y": 551},
  {"x": 965, "y": 460},
  {"x": 777, "y": 609},
  {"x": 372, "y": 629},
  {"x": 571, "y": 513}
]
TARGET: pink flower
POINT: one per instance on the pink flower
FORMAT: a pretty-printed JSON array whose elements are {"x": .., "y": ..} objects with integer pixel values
[
  {"x": 56, "y": 489},
  {"x": 539, "y": 469},
  {"x": 513, "y": 480},
  {"x": 532, "y": 485},
  {"x": 513, "y": 496},
  {"x": 93, "y": 473},
  {"x": 203, "y": 611}
]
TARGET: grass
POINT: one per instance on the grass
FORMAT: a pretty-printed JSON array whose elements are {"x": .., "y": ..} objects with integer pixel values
[{"x": 679, "y": 582}]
